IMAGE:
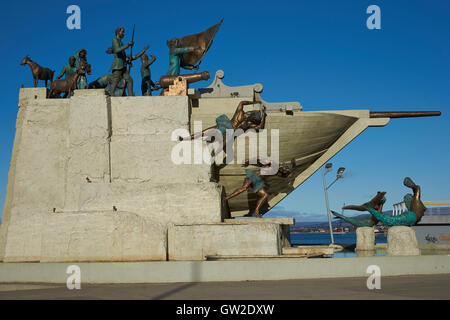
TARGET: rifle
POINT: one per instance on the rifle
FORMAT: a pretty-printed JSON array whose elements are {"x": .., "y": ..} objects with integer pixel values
[{"x": 131, "y": 51}]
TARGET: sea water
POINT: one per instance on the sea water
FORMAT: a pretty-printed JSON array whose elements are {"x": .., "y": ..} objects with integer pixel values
[{"x": 325, "y": 238}]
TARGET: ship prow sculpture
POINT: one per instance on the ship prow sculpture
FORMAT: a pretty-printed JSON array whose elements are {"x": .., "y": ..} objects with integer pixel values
[{"x": 306, "y": 138}]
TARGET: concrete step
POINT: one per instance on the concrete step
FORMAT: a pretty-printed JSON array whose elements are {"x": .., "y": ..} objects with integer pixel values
[
  {"x": 311, "y": 250},
  {"x": 281, "y": 221},
  {"x": 256, "y": 257}
]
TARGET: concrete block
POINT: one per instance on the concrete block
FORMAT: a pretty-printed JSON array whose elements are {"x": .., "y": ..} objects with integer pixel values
[
  {"x": 26, "y": 95},
  {"x": 365, "y": 253},
  {"x": 24, "y": 235},
  {"x": 168, "y": 203},
  {"x": 365, "y": 239},
  {"x": 38, "y": 162},
  {"x": 195, "y": 242},
  {"x": 147, "y": 158},
  {"x": 103, "y": 236},
  {"x": 88, "y": 152},
  {"x": 84, "y": 236},
  {"x": 148, "y": 115},
  {"x": 402, "y": 241}
]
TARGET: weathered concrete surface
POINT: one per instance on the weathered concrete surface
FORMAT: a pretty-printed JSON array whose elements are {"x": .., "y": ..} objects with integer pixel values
[
  {"x": 282, "y": 221},
  {"x": 88, "y": 135},
  {"x": 195, "y": 242},
  {"x": 232, "y": 270},
  {"x": 365, "y": 239},
  {"x": 402, "y": 241},
  {"x": 39, "y": 147},
  {"x": 309, "y": 250},
  {"x": 91, "y": 179},
  {"x": 167, "y": 203},
  {"x": 86, "y": 236}
]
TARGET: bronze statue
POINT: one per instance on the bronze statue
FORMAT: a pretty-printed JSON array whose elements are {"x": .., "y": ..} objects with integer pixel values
[
  {"x": 119, "y": 65},
  {"x": 376, "y": 203},
  {"x": 121, "y": 61},
  {"x": 188, "y": 51},
  {"x": 176, "y": 57},
  {"x": 81, "y": 63},
  {"x": 39, "y": 73},
  {"x": 255, "y": 181},
  {"x": 68, "y": 70},
  {"x": 411, "y": 217},
  {"x": 147, "y": 84},
  {"x": 101, "y": 83},
  {"x": 241, "y": 120},
  {"x": 66, "y": 86}
]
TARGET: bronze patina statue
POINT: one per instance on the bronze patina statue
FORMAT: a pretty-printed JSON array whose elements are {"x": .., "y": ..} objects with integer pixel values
[
  {"x": 376, "y": 203},
  {"x": 68, "y": 70},
  {"x": 119, "y": 66},
  {"x": 105, "y": 81},
  {"x": 414, "y": 213},
  {"x": 66, "y": 86},
  {"x": 254, "y": 119},
  {"x": 120, "y": 63},
  {"x": 188, "y": 51},
  {"x": 255, "y": 181},
  {"x": 147, "y": 84},
  {"x": 102, "y": 82},
  {"x": 81, "y": 63},
  {"x": 39, "y": 73},
  {"x": 176, "y": 57}
]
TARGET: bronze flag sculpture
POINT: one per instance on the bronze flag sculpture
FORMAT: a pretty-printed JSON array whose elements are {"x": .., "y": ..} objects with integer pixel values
[{"x": 195, "y": 47}]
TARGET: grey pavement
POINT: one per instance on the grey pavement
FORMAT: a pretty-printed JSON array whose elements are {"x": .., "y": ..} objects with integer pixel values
[{"x": 399, "y": 287}]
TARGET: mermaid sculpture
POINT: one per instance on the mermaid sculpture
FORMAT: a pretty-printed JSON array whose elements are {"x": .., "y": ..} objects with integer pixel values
[
  {"x": 411, "y": 217},
  {"x": 376, "y": 203}
]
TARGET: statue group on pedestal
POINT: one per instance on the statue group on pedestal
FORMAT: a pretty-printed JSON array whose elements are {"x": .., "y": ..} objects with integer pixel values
[{"x": 186, "y": 52}]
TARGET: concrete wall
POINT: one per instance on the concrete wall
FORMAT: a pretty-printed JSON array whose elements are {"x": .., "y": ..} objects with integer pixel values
[
  {"x": 232, "y": 270},
  {"x": 91, "y": 179}
]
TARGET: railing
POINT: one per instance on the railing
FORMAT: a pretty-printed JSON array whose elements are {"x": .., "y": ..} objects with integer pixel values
[{"x": 400, "y": 207}]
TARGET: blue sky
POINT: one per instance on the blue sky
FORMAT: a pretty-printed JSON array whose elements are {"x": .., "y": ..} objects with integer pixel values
[{"x": 319, "y": 53}]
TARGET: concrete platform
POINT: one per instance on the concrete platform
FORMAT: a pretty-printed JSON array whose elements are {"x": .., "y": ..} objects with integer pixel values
[{"x": 233, "y": 270}]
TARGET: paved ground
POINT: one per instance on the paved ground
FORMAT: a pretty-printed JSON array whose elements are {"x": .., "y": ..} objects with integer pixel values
[{"x": 401, "y": 287}]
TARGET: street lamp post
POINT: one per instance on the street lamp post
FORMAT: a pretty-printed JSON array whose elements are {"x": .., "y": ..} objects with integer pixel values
[{"x": 325, "y": 169}]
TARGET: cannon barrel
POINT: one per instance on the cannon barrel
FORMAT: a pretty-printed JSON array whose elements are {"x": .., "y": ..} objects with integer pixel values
[
  {"x": 166, "y": 81},
  {"x": 405, "y": 114}
]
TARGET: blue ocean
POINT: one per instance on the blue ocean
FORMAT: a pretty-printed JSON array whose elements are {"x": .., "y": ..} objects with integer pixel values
[{"x": 324, "y": 238}]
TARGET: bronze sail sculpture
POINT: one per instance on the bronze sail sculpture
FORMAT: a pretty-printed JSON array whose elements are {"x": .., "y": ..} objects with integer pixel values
[{"x": 203, "y": 40}]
